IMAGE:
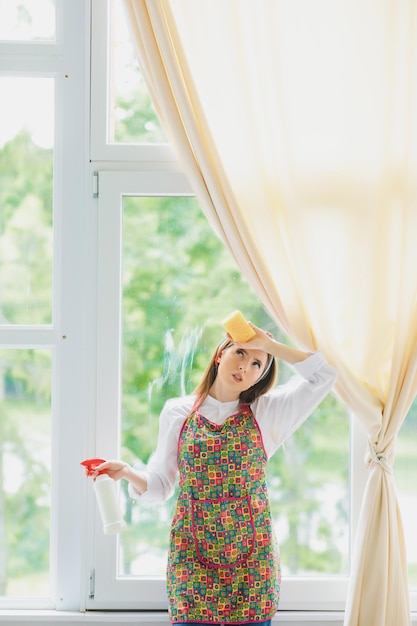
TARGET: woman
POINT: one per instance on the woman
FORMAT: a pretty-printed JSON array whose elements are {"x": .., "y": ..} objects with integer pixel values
[{"x": 223, "y": 563}]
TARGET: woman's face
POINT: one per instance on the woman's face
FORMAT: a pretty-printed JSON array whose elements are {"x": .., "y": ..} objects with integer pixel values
[{"x": 240, "y": 368}]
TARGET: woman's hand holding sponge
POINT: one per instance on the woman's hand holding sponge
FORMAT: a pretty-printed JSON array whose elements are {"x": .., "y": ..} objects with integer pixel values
[{"x": 238, "y": 328}]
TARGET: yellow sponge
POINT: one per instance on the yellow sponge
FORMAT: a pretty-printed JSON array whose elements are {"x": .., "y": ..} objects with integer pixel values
[{"x": 238, "y": 328}]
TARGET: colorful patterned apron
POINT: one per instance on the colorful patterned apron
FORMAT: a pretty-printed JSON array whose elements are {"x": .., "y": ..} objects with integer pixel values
[{"x": 223, "y": 563}]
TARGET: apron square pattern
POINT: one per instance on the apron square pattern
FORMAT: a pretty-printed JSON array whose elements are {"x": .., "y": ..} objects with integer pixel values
[{"x": 223, "y": 561}]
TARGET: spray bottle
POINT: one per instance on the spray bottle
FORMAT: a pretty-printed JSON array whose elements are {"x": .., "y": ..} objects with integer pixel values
[{"x": 108, "y": 504}]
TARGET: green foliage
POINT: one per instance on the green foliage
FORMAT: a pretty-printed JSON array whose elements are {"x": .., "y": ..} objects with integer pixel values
[
  {"x": 28, "y": 541},
  {"x": 309, "y": 496},
  {"x": 179, "y": 282},
  {"x": 405, "y": 457},
  {"x": 136, "y": 120},
  {"x": 25, "y": 232},
  {"x": 27, "y": 504},
  {"x": 25, "y": 375},
  {"x": 25, "y": 171}
]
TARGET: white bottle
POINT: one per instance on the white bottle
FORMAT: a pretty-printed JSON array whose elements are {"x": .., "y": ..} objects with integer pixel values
[{"x": 108, "y": 503}]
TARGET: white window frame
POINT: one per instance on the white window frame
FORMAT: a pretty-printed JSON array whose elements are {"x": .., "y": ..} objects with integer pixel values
[
  {"x": 141, "y": 593},
  {"x": 66, "y": 61},
  {"x": 101, "y": 148},
  {"x": 110, "y": 591}
]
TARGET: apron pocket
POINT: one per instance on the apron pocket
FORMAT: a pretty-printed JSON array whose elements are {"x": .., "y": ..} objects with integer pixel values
[{"x": 223, "y": 531}]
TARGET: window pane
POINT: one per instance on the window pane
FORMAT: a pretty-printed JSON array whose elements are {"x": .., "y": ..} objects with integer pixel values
[
  {"x": 406, "y": 480},
  {"x": 309, "y": 485},
  {"x": 132, "y": 118},
  {"x": 25, "y": 468},
  {"x": 179, "y": 282},
  {"x": 26, "y": 184},
  {"x": 27, "y": 20}
]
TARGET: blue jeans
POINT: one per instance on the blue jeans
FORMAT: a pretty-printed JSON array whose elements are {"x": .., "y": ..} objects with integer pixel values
[{"x": 267, "y": 623}]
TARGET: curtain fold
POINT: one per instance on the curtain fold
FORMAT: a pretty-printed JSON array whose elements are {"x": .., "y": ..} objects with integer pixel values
[{"x": 297, "y": 126}]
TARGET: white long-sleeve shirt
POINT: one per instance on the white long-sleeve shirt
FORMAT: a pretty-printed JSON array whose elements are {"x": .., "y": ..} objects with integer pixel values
[{"x": 278, "y": 413}]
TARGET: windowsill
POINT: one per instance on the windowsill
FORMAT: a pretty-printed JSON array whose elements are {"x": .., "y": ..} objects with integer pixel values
[{"x": 156, "y": 618}]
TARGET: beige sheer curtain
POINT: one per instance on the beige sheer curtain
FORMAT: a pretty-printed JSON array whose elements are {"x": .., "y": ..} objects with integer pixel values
[{"x": 297, "y": 125}]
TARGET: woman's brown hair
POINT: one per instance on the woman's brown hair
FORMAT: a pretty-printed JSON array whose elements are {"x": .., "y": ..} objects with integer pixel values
[{"x": 262, "y": 386}]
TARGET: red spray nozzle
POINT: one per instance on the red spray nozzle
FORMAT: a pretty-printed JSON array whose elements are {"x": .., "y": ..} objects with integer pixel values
[{"x": 91, "y": 464}]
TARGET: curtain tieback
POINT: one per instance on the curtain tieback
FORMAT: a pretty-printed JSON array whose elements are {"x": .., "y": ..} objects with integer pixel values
[{"x": 377, "y": 458}]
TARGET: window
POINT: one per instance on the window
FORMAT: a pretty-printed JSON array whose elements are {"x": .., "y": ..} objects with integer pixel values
[
  {"x": 405, "y": 476},
  {"x": 103, "y": 316},
  {"x": 30, "y": 20},
  {"x": 43, "y": 302},
  {"x": 25, "y": 493},
  {"x": 159, "y": 264},
  {"x": 124, "y": 126},
  {"x": 143, "y": 216},
  {"x": 131, "y": 117},
  {"x": 27, "y": 159},
  {"x": 26, "y": 277}
]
